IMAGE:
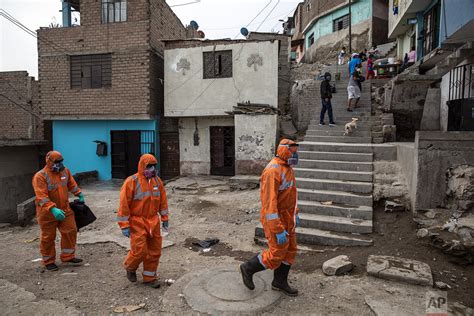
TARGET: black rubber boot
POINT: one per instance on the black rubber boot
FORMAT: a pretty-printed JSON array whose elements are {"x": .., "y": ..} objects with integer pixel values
[
  {"x": 155, "y": 284},
  {"x": 280, "y": 280},
  {"x": 248, "y": 269},
  {"x": 132, "y": 276},
  {"x": 74, "y": 261},
  {"x": 52, "y": 267}
]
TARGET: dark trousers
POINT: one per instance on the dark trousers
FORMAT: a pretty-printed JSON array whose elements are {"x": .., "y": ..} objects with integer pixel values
[{"x": 326, "y": 106}]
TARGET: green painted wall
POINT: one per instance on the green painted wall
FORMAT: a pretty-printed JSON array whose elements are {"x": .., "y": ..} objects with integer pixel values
[{"x": 361, "y": 11}]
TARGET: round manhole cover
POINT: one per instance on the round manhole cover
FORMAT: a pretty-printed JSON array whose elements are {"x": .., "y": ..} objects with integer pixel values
[{"x": 221, "y": 290}]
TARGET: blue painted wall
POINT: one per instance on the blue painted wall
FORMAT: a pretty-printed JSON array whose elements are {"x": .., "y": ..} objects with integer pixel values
[
  {"x": 74, "y": 139},
  {"x": 457, "y": 13},
  {"x": 361, "y": 11}
]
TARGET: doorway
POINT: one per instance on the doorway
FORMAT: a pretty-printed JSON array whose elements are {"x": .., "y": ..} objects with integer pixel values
[
  {"x": 169, "y": 155},
  {"x": 127, "y": 147},
  {"x": 222, "y": 150}
]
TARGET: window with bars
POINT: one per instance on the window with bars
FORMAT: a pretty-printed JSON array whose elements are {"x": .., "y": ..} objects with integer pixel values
[
  {"x": 217, "y": 64},
  {"x": 91, "y": 71},
  {"x": 114, "y": 11},
  {"x": 340, "y": 23},
  {"x": 311, "y": 39}
]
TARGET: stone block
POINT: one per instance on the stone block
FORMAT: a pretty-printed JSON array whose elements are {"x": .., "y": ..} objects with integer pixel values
[
  {"x": 26, "y": 211},
  {"x": 244, "y": 182},
  {"x": 387, "y": 119},
  {"x": 400, "y": 269},
  {"x": 391, "y": 207},
  {"x": 338, "y": 265}
]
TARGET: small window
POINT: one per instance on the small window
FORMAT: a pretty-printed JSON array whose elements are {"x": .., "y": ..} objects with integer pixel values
[
  {"x": 311, "y": 39},
  {"x": 340, "y": 23},
  {"x": 217, "y": 64},
  {"x": 91, "y": 71},
  {"x": 308, "y": 6},
  {"x": 114, "y": 11}
]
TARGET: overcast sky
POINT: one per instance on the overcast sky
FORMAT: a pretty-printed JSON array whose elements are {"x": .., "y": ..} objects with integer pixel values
[{"x": 216, "y": 18}]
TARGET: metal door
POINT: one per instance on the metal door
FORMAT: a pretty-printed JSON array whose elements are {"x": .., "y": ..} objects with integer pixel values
[
  {"x": 222, "y": 150},
  {"x": 125, "y": 153},
  {"x": 169, "y": 155}
]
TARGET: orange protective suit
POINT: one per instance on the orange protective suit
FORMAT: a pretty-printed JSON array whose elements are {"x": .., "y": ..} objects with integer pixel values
[
  {"x": 279, "y": 197},
  {"x": 141, "y": 200},
  {"x": 51, "y": 189}
]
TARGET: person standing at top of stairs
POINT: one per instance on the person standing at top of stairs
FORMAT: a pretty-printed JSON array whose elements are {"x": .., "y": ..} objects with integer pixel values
[{"x": 326, "y": 96}]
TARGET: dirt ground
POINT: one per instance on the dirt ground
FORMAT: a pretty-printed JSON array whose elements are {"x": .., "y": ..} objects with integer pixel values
[{"x": 204, "y": 207}]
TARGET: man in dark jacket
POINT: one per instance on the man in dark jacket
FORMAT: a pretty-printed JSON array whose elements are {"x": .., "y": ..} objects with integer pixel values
[{"x": 326, "y": 96}]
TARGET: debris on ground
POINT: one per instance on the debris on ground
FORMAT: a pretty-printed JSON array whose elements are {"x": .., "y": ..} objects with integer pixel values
[
  {"x": 37, "y": 260},
  {"x": 422, "y": 233},
  {"x": 69, "y": 273},
  {"x": 338, "y": 265},
  {"x": 29, "y": 241},
  {"x": 206, "y": 243},
  {"x": 169, "y": 282},
  {"x": 462, "y": 252},
  {"x": 442, "y": 286},
  {"x": 326, "y": 203},
  {"x": 128, "y": 308},
  {"x": 399, "y": 269},
  {"x": 391, "y": 206}
]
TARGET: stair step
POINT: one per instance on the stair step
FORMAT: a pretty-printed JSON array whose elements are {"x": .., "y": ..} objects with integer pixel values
[
  {"x": 337, "y": 197},
  {"x": 360, "y": 212},
  {"x": 335, "y": 147},
  {"x": 335, "y": 223},
  {"x": 338, "y": 139},
  {"x": 335, "y": 165},
  {"x": 338, "y": 127},
  {"x": 336, "y": 156},
  {"x": 313, "y": 236},
  {"x": 334, "y": 185},
  {"x": 362, "y": 176},
  {"x": 339, "y": 132}
]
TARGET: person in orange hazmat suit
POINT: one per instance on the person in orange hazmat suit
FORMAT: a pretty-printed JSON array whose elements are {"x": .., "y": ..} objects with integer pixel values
[
  {"x": 279, "y": 217},
  {"x": 142, "y": 199},
  {"x": 52, "y": 185}
]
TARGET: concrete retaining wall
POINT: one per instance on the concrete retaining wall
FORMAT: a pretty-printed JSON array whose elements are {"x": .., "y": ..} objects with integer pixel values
[
  {"x": 18, "y": 164},
  {"x": 435, "y": 154},
  {"x": 406, "y": 161}
]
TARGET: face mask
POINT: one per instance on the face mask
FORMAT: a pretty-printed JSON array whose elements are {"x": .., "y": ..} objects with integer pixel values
[
  {"x": 57, "y": 167},
  {"x": 293, "y": 160},
  {"x": 150, "y": 172}
]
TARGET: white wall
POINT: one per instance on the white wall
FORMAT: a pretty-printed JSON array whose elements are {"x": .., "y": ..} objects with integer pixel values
[
  {"x": 197, "y": 159},
  {"x": 191, "y": 95},
  {"x": 255, "y": 138}
]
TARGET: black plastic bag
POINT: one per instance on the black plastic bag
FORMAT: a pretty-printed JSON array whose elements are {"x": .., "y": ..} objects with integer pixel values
[
  {"x": 82, "y": 214},
  {"x": 206, "y": 243}
]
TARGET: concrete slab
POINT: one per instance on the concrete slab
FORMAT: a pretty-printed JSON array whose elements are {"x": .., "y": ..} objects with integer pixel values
[
  {"x": 94, "y": 237},
  {"x": 221, "y": 290},
  {"x": 15, "y": 300},
  {"x": 400, "y": 269},
  {"x": 244, "y": 182}
]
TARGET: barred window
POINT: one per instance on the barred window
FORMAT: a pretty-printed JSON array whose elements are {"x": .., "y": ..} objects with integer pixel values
[
  {"x": 217, "y": 64},
  {"x": 114, "y": 11},
  {"x": 91, "y": 71},
  {"x": 340, "y": 23},
  {"x": 311, "y": 39}
]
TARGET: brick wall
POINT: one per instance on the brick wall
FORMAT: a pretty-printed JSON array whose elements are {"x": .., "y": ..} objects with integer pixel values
[
  {"x": 136, "y": 72},
  {"x": 16, "y": 121},
  {"x": 317, "y": 7}
]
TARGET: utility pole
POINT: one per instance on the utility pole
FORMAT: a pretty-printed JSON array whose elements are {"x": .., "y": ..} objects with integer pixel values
[{"x": 350, "y": 27}]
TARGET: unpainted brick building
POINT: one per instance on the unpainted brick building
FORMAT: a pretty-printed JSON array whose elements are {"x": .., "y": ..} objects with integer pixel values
[{"x": 101, "y": 83}]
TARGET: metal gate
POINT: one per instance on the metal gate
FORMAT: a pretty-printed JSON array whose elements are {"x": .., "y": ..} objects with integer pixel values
[
  {"x": 169, "y": 155},
  {"x": 222, "y": 150},
  {"x": 127, "y": 147}
]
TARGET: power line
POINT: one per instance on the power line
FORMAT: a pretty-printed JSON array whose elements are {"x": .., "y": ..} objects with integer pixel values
[
  {"x": 258, "y": 14},
  {"x": 183, "y": 4},
  {"x": 268, "y": 15},
  {"x": 20, "y": 106}
]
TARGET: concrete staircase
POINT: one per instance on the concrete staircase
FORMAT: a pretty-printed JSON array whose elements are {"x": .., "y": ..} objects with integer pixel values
[
  {"x": 335, "y": 174},
  {"x": 338, "y": 169}
]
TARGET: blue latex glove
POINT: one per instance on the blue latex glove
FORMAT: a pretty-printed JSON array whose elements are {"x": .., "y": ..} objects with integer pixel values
[
  {"x": 81, "y": 198},
  {"x": 298, "y": 221},
  {"x": 165, "y": 225},
  {"x": 58, "y": 214},
  {"x": 281, "y": 237},
  {"x": 126, "y": 232}
]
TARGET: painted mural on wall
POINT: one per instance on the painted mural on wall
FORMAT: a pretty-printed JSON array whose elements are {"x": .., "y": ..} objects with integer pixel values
[
  {"x": 254, "y": 60},
  {"x": 183, "y": 65}
]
